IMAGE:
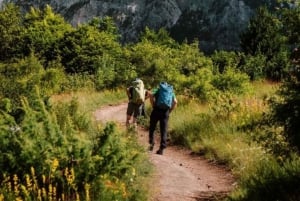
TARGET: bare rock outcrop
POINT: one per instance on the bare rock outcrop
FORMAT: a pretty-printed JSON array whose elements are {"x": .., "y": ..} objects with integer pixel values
[{"x": 215, "y": 23}]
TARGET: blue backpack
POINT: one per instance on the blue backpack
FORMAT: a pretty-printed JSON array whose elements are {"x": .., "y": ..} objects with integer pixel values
[{"x": 164, "y": 98}]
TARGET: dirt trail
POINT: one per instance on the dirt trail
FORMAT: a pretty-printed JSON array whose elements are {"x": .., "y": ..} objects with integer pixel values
[{"x": 180, "y": 175}]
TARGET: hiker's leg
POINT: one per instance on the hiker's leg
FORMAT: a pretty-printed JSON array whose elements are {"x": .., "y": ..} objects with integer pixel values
[
  {"x": 164, "y": 129},
  {"x": 143, "y": 113},
  {"x": 128, "y": 117},
  {"x": 136, "y": 113},
  {"x": 153, "y": 122},
  {"x": 129, "y": 113}
]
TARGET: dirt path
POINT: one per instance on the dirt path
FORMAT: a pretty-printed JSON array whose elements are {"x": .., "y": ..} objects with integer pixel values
[{"x": 179, "y": 175}]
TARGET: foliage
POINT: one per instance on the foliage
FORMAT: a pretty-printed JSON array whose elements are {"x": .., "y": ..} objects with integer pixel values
[
  {"x": 185, "y": 67},
  {"x": 276, "y": 182},
  {"x": 285, "y": 109},
  {"x": 263, "y": 34},
  {"x": 95, "y": 52},
  {"x": 200, "y": 85},
  {"x": 41, "y": 55},
  {"x": 263, "y": 37},
  {"x": 223, "y": 60},
  {"x": 161, "y": 37},
  {"x": 291, "y": 20},
  {"x": 153, "y": 62},
  {"x": 103, "y": 158},
  {"x": 253, "y": 66},
  {"x": 21, "y": 77},
  {"x": 10, "y": 32},
  {"x": 212, "y": 130},
  {"x": 43, "y": 31},
  {"x": 232, "y": 81}
]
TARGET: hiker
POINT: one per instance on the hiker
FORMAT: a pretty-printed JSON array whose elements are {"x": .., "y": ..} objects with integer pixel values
[
  {"x": 137, "y": 95},
  {"x": 163, "y": 101}
]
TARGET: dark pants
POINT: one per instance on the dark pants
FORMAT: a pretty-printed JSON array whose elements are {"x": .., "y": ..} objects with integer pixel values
[{"x": 163, "y": 117}]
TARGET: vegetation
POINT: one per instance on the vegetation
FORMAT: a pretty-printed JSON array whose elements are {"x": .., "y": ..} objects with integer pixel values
[{"x": 238, "y": 108}]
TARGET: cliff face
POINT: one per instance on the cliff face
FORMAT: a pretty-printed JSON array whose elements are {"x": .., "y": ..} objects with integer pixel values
[{"x": 215, "y": 23}]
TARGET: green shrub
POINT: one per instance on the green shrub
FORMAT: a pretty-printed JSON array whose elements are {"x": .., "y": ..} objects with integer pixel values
[
  {"x": 253, "y": 66},
  {"x": 222, "y": 60},
  {"x": 271, "y": 181},
  {"x": 105, "y": 158},
  {"x": 233, "y": 81}
]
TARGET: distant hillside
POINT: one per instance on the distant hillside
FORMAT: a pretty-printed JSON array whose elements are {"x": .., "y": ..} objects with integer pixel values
[{"x": 215, "y": 23}]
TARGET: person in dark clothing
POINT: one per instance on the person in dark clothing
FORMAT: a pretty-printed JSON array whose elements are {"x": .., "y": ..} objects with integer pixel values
[{"x": 161, "y": 116}]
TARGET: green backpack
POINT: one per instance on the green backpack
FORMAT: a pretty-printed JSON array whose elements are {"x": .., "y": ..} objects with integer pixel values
[{"x": 138, "y": 92}]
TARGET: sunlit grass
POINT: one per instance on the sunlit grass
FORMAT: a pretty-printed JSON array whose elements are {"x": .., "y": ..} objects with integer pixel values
[
  {"x": 211, "y": 129},
  {"x": 89, "y": 100},
  {"x": 264, "y": 88},
  {"x": 225, "y": 131}
]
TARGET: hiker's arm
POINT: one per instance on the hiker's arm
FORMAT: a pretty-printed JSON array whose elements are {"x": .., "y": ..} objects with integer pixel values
[
  {"x": 147, "y": 94},
  {"x": 173, "y": 105},
  {"x": 152, "y": 99},
  {"x": 128, "y": 93}
]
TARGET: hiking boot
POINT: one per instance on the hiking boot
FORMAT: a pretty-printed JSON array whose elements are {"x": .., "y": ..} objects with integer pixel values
[
  {"x": 151, "y": 147},
  {"x": 160, "y": 152}
]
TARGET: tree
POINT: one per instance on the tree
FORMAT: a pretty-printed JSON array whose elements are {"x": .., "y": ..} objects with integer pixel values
[
  {"x": 290, "y": 18},
  {"x": 161, "y": 37},
  {"x": 286, "y": 110},
  {"x": 44, "y": 29},
  {"x": 10, "y": 32},
  {"x": 92, "y": 50},
  {"x": 223, "y": 60},
  {"x": 264, "y": 37}
]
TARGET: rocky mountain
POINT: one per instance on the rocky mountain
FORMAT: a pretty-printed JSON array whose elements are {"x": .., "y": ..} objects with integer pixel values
[{"x": 215, "y": 23}]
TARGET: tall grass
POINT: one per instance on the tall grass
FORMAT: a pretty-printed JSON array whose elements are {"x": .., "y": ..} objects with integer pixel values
[
  {"x": 219, "y": 131},
  {"x": 89, "y": 100}
]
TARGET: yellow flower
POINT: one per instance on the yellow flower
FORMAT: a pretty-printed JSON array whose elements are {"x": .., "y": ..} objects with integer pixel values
[
  {"x": 44, "y": 179},
  {"x": 54, "y": 165},
  {"x": 133, "y": 172},
  {"x": 87, "y": 191},
  {"x": 28, "y": 182},
  {"x": 1, "y": 197},
  {"x": 77, "y": 197},
  {"x": 32, "y": 171}
]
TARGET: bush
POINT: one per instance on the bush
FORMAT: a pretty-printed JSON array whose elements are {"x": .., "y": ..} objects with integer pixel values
[
  {"x": 72, "y": 154},
  {"x": 232, "y": 81},
  {"x": 253, "y": 66},
  {"x": 271, "y": 181}
]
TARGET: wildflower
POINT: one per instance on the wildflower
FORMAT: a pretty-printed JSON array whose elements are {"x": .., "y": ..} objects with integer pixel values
[
  {"x": 54, "y": 165},
  {"x": 1, "y": 197},
  {"x": 25, "y": 191},
  {"x": 16, "y": 185},
  {"x": 87, "y": 191},
  {"x": 54, "y": 192},
  {"x": 39, "y": 197},
  {"x": 43, "y": 179},
  {"x": 44, "y": 192},
  {"x": 133, "y": 172},
  {"x": 77, "y": 197},
  {"x": 28, "y": 182},
  {"x": 50, "y": 192}
]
